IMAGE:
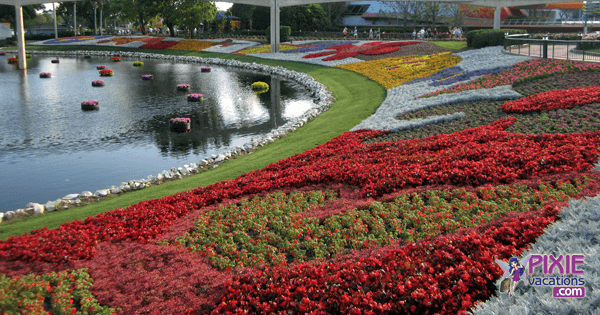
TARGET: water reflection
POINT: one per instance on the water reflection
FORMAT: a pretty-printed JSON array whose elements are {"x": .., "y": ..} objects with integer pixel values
[{"x": 43, "y": 124}]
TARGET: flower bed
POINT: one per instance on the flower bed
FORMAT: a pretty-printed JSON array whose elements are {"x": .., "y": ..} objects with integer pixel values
[
  {"x": 195, "y": 97},
  {"x": 45, "y": 74},
  {"x": 520, "y": 73},
  {"x": 260, "y": 87},
  {"x": 372, "y": 48},
  {"x": 552, "y": 100},
  {"x": 106, "y": 73},
  {"x": 116, "y": 59},
  {"x": 158, "y": 43},
  {"x": 180, "y": 124},
  {"x": 392, "y": 72},
  {"x": 147, "y": 77},
  {"x": 195, "y": 45},
  {"x": 183, "y": 87},
  {"x": 138, "y": 64},
  {"x": 54, "y": 292},
  {"x": 100, "y": 67},
  {"x": 97, "y": 83},
  {"x": 89, "y": 105},
  {"x": 264, "y": 49},
  {"x": 12, "y": 60}
]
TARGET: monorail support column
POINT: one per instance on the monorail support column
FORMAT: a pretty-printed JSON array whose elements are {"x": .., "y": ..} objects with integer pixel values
[
  {"x": 497, "y": 17},
  {"x": 275, "y": 26},
  {"x": 20, "y": 38}
]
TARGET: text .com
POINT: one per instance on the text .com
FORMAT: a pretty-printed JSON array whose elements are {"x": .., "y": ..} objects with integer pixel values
[{"x": 568, "y": 292}]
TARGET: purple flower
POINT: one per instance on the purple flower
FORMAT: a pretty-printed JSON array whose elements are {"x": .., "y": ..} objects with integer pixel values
[
  {"x": 98, "y": 82},
  {"x": 195, "y": 95},
  {"x": 319, "y": 46},
  {"x": 183, "y": 86},
  {"x": 147, "y": 76},
  {"x": 45, "y": 73},
  {"x": 90, "y": 102}
]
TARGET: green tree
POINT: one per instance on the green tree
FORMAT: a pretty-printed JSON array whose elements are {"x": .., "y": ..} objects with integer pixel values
[
  {"x": 335, "y": 12},
  {"x": 186, "y": 13},
  {"x": 8, "y": 12},
  {"x": 307, "y": 17},
  {"x": 244, "y": 12},
  {"x": 135, "y": 10}
]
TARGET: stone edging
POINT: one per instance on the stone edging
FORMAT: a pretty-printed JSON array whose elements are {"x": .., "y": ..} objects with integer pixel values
[{"x": 322, "y": 97}]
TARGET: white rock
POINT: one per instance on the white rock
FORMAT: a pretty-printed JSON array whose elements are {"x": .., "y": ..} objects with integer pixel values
[
  {"x": 70, "y": 196},
  {"x": 135, "y": 186},
  {"x": 1, "y": 216},
  {"x": 23, "y": 211},
  {"x": 167, "y": 174},
  {"x": 142, "y": 186},
  {"x": 115, "y": 190},
  {"x": 151, "y": 179},
  {"x": 9, "y": 215},
  {"x": 38, "y": 208},
  {"x": 51, "y": 205},
  {"x": 183, "y": 171},
  {"x": 160, "y": 177},
  {"x": 86, "y": 193},
  {"x": 220, "y": 158},
  {"x": 102, "y": 192}
]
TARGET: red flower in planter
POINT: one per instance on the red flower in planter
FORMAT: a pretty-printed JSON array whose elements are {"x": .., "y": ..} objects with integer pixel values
[{"x": 373, "y": 48}]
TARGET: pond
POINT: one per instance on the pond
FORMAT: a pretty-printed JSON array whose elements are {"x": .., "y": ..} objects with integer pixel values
[{"x": 50, "y": 147}]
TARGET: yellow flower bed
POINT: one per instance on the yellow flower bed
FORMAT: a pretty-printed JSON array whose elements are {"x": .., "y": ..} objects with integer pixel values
[
  {"x": 195, "y": 45},
  {"x": 393, "y": 72},
  {"x": 264, "y": 49}
]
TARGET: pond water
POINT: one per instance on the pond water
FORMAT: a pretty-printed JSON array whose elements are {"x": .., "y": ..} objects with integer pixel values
[{"x": 50, "y": 147}]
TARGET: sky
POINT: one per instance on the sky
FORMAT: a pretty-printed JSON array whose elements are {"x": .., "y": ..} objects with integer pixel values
[{"x": 221, "y": 6}]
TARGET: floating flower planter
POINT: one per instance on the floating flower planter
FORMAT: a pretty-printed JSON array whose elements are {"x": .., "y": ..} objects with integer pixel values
[
  {"x": 260, "y": 87},
  {"x": 45, "y": 75},
  {"x": 55, "y": 61},
  {"x": 138, "y": 63},
  {"x": 146, "y": 77},
  {"x": 89, "y": 105},
  {"x": 13, "y": 60},
  {"x": 180, "y": 124},
  {"x": 97, "y": 83},
  {"x": 116, "y": 59},
  {"x": 195, "y": 97},
  {"x": 183, "y": 87},
  {"x": 87, "y": 56},
  {"x": 100, "y": 67},
  {"x": 2, "y": 53},
  {"x": 205, "y": 69},
  {"x": 106, "y": 73}
]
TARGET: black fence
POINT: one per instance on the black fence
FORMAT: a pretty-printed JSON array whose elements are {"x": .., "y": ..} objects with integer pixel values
[{"x": 579, "y": 50}]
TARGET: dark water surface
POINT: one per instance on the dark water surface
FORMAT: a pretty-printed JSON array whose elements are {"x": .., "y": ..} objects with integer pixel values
[{"x": 49, "y": 147}]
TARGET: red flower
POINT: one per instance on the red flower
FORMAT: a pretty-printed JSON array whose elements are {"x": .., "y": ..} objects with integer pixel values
[{"x": 347, "y": 51}]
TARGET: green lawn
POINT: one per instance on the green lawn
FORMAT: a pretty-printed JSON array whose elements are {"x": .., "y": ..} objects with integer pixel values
[
  {"x": 459, "y": 45},
  {"x": 357, "y": 98}
]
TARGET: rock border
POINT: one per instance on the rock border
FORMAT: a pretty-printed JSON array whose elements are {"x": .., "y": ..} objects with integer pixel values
[{"x": 322, "y": 98}]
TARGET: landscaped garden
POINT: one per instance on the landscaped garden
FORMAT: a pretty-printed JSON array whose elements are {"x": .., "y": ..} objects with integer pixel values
[{"x": 328, "y": 221}]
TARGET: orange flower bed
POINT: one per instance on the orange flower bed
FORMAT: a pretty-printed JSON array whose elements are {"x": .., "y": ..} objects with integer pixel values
[{"x": 196, "y": 45}]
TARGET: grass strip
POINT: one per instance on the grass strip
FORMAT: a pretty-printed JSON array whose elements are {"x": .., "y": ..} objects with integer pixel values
[{"x": 356, "y": 99}]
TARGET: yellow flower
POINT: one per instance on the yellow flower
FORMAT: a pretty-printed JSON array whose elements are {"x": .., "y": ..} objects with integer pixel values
[
  {"x": 195, "y": 45},
  {"x": 393, "y": 72},
  {"x": 264, "y": 49}
]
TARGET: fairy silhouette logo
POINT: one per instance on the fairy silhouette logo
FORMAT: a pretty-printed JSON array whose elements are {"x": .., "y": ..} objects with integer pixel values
[{"x": 560, "y": 272}]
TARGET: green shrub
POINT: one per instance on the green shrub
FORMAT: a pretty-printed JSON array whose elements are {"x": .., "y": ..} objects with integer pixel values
[
  {"x": 484, "y": 38},
  {"x": 284, "y": 33}
]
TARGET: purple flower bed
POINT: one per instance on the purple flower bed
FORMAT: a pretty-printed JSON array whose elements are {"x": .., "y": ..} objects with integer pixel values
[
  {"x": 316, "y": 47},
  {"x": 73, "y": 39},
  {"x": 454, "y": 74}
]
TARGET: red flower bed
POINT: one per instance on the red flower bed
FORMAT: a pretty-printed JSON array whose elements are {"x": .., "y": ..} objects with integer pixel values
[
  {"x": 554, "y": 100},
  {"x": 476, "y": 156},
  {"x": 346, "y": 51},
  {"x": 442, "y": 276},
  {"x": 158, "y": 43}
]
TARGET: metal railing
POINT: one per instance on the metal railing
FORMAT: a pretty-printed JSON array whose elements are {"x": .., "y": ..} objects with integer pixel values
[{"x": 579, "y": 50}]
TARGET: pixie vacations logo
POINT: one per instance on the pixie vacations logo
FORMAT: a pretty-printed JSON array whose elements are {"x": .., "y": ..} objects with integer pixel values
[{"x": 567, "y": 284}]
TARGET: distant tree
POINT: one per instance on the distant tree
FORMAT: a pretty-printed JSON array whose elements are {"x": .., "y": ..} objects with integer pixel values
[
  {"x": 135, "y": 10},
  {"x": 411, "y": 12},
  {"x": 244, "y": 12},
  {"x": 261, "y": 18},
  {"x": 186, "y": 13},
  {"x": 8, "y": 12},
  {"x": 307, "y": 17},
  {"x": 457, "y": 13},
  {"x": 335, "y": 12},
  {"x": 433, "y": 12}
]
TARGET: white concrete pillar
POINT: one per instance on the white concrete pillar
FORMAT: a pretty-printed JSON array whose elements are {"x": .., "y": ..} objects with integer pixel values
[
  {"x": 20, "y": 38},
  {"x": 497, "y": 17},
  {"x": 54, "y": 14},
  {"x": 75, "y": 18},
  {"x": 275, "y": 26}
]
